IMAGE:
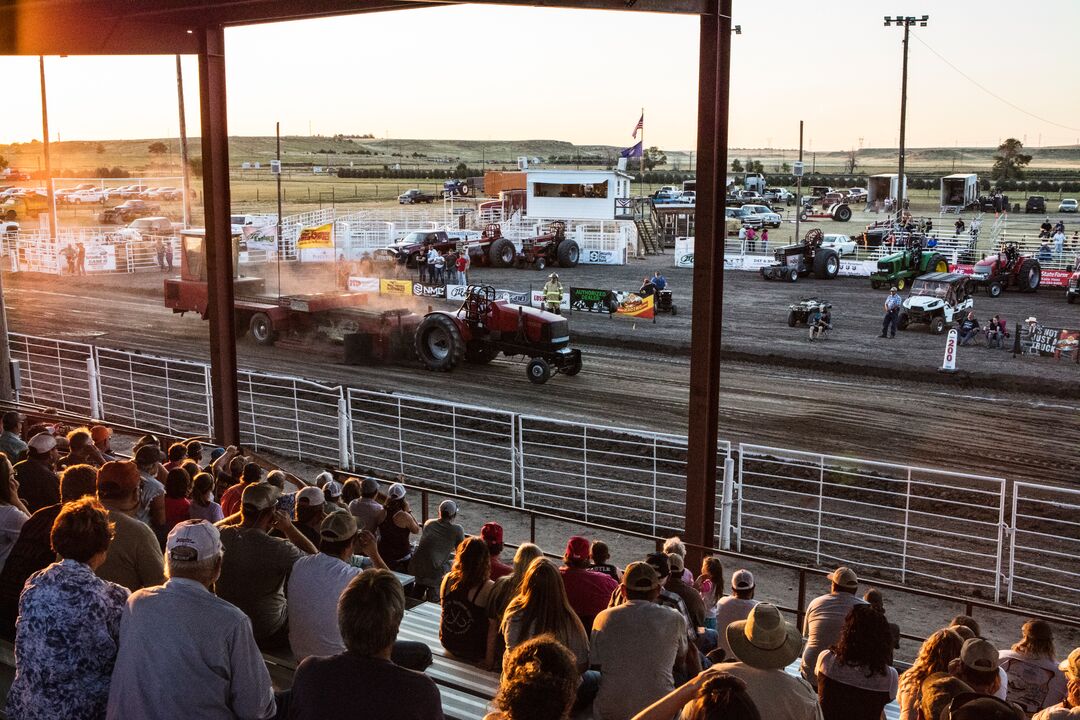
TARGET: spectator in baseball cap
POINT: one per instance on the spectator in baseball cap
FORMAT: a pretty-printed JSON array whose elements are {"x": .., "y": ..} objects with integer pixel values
[
  {"x": 257, "y": 564},
  {"x": 1035, "y": 680},
  {"x": 433, "y": 555},
  {"x": 309, "y": 512},
  {"x": 167, "y": 627},
  {"x": 975, "y": 671},
  {"x": 368, "y": 511},
  {"x": 39, "y": 486},
  {"x": 332, "y": 491},
  {"x": 151, "y": 509},
  {"x": 102, "y": 437},
  {"x": 134, "y": 558},
  {"x": 637, "y": 645},
  {"x": 492, "y": 533},
  {"x": 396, "y": 529},
  {"x": 588, "y": 592},
  {"x": 825, "y": 617},
  {"x": 731, "y": 608}
]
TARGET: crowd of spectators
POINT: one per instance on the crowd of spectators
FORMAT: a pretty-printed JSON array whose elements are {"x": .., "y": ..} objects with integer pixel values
[{"x": 129, "y": 591}]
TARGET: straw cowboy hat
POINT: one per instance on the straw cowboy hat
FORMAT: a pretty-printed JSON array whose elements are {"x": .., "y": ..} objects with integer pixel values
[{"x": 764, "y": 640}]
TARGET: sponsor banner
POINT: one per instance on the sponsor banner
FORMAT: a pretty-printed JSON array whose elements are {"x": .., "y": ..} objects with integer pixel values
[
  {"x": 316, "y": 244},
  {"x": 747, "y": 262},
  {"x": 1054, "y": 342},
  {"x": 100, "y": 258},
  {"x": 1050, "y": 277},
  {"x": 395, "y": 287},
  {"x": 538, "y": 300},
  {"x": 363, "y": 284},
  {"x": 261, "y": 238},
  {"x": 858, "y": 268},
  {"x": 428, "y": 291},
  {"x": 684, "y": 252},
  {"x": 457, "y": 292},
  {"x": 601, "y": 257},
  {"x": 633, "y": 305},
  {"x": 590, "y": 300}
]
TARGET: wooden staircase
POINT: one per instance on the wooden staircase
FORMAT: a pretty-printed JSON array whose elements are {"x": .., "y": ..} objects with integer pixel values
[{"x": 648, "y": 233}]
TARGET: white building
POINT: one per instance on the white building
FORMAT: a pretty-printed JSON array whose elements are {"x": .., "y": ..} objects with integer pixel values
[{"x": 577, "y": 194}]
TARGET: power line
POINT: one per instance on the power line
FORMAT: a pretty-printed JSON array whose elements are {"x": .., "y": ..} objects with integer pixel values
[{"x": 990, "y": 92}]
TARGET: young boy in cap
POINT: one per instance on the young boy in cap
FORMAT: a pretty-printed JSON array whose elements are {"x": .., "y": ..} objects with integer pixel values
[
  {"x": 492, "y": 534},
  {"x": 825, "y": 618},
  {"x": 181, "y": 625},
  {"x": 588, "y": 592},
  {"x": 765, "y": 644},
  {"x": 636, "y": 646},
  {"x": 731, "y": 608}
]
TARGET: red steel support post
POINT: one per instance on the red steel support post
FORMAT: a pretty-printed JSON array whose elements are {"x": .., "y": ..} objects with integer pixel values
[
  {"x": 216, "y": 202},
  {"x": 712, "y": 141}
]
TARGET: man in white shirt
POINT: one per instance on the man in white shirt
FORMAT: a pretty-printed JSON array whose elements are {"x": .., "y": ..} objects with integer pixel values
[
  {"x": 316, "y": 583},
  {"x": 825, "y": 618},
  {"x": 732, "y": 608}
]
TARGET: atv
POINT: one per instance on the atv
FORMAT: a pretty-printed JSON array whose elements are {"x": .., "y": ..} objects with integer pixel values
[
  {"x": 936, "y": 299},
  {"x": 802, "y": 311},
  {"x": 802, "y": 258},
  {"x": 1007, "y": 268},
  {"x": 900, "y": 268}
]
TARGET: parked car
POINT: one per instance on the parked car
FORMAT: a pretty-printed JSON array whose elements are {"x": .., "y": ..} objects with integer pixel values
[
  {"x": 857, "y": 195},
  {"x": 128, "y": 211},
  {"x": 163, "y": 193},
  {"x": 409, "y": 197},
  {"x": 8, "y": 227},
  {"x": 760, "y": 215},
  {"x": 842, "y": 244},
  {"x": 779, "y": 195},
  {"x": 82, "y": 197},
  {"x": 1068, "y": 205},
  {"x": 1035, "y": 204},
  {"x": 139, "y": 227}
]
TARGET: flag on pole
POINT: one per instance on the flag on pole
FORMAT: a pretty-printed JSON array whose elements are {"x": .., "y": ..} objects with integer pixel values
[
  {"x": 640, "y": 125},
  {"x": 632, "y": 152}
]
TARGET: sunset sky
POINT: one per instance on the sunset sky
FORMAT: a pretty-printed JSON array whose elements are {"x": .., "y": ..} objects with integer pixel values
[{"x": 481, "y": 72}]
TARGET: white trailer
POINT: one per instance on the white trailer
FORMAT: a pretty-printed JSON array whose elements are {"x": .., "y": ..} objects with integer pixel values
[
  {"x": 885, "y": 185},
  {"x": 959, "y": 191}
]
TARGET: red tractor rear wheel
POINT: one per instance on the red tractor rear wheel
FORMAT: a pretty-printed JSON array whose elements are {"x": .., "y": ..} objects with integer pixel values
[{"x": 438, "y": 342}]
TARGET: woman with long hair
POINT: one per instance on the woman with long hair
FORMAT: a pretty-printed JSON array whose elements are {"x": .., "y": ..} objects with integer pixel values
[
  {"x": 203, "y": 506},
  {"x": 1035, "y": 680},
  {"x": 936, "y": 653},
  {"x": 710, "y": 585},
  {"x": 465, "y": 593},
  {"x": 711, "y": 695},
  {"x": 506, "y": 588},
  {"x": 538, "y": 682},
  {"x": 856, "y": 679},
  {"x": 542, "y": 608},
  {"x": 12, "y": 511}
]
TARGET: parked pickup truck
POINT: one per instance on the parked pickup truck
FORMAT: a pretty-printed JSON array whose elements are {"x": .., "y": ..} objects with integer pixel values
[
  {"x": 779, "y": 195},
  {"x": 410, "y": 197},
  {"x": 28, "y": 205},
  {"x": 127, "y": 211}
]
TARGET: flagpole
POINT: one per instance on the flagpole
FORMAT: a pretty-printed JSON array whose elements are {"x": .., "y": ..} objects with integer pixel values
[{"x": 641, "y": 161}]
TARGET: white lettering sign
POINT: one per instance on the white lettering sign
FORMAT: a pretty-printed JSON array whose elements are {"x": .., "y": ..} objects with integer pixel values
[{"x": 948, "y": 364}]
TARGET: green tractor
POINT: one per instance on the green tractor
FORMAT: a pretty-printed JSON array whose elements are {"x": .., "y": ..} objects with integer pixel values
[{"x": 899, "y": 269}]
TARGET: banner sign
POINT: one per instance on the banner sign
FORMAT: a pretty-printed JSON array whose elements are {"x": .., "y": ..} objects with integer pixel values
[
  {"x": 857, "y": 268},
  {"x": 633, "y": 305},
  {"x": 601, "y": 257},
  {"x": 428, "y": 291},
  {"x": 363, "y": 284},
  {"x": 261, "y": 237},
  {"x": 457, "y": 293},
  {"x": 395, "y": 287},
  {"x": 1050, "y": 278},
  {"x": 591, "y": 300},
  {"x": 538, "y": 300},
  {"x": 316, "y": 244},
  {"x": 1054, "y": 342},
  {"x": 684, "y": 252},
  {"x": 100, "y": 258}
]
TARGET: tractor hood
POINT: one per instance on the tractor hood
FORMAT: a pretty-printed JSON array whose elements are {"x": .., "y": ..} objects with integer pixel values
[
  {"x": 924, "y": 303},
  {"x": 983, "y": 267}
]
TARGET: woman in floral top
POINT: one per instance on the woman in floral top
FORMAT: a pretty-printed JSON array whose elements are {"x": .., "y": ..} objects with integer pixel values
[{"x": 69, "y": 623}]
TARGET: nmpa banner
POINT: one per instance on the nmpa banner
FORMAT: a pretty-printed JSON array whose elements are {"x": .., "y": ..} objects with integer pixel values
[
  {"x": 591, "y": 300},
  {"x": 428, "y": 291}
]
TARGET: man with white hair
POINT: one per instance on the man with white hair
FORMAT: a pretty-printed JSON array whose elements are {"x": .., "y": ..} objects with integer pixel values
[{"x": 187, "y": 633}]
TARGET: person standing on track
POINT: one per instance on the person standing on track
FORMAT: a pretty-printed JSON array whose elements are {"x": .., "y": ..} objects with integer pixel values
[
  {"x": 553, "y": 292},
  {"x": 892, "y": 312}
]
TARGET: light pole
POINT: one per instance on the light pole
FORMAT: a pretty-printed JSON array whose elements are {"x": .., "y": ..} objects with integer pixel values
[{"x": 906, "y": 22}]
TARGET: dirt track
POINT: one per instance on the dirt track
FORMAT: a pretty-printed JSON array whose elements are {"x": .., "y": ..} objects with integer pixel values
[{"x": 1020, "y": 434}]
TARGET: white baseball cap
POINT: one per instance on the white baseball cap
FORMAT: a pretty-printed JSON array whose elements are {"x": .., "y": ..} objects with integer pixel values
[
  {"x": 193, "y": 540},
  {"x": 43, "y": 442},
  {"x": 396, "y": 491},
  {"x": 332, "y": 489},
  {"x": 312, "y": 495},
  {"x": 742, "y": 580}
]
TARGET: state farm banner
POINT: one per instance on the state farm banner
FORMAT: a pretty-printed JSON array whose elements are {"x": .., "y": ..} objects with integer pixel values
[
  {"x": 633, "y": 305},
  {"x": 538, "y": 300},
  {"x": 395, "y": 287},
  {"x": 316, "y": 244},
  {"x": 363, "y": 284},
  {"x": 514, "y": 297},
  {"x": 1050, "y": 277},
  {"x": 428, "y": 291},
  {"x": 591, "y": 300}
]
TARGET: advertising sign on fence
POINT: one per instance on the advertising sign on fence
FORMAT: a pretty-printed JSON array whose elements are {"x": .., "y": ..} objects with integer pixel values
[
  {"x": 100, "y": 258},
  {"x": 263, "y": 237},
  {"x": 1054, "y": 342},
  {"x": 395, "y": 287},
  {"x": 1050, "y": 277},
  {"x": 601, "y": 257},
  {"x": 363, "y": 284},
  {"x": 428, "y": 291},
  {"x": 591, "y": 300},
  {"x": 538, "y": 300},
  {"x": 316, "y": 244},
  {"x": 633, "y": 305},
  {"x": 457, "y": 292},
  {"x": 684, "y": 252}
]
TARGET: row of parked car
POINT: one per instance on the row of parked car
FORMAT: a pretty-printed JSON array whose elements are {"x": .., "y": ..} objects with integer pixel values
[{"x": 87, "y": 193}]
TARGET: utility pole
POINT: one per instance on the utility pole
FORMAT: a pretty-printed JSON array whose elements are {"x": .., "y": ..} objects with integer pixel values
[
  {"x": 279, "y": 244},
  {"x": 905, "y": 22},
  {"x": 183, "y": 144},
  {"x": 798, "y": 186},
  {"x": 48, "y": 163}
]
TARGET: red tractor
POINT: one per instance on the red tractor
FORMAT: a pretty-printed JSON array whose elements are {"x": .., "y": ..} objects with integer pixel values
[
  {"x": 550, "y": 249},
  {"x": 484, "y": 327},
  {"x": 1007, "y": 268}
]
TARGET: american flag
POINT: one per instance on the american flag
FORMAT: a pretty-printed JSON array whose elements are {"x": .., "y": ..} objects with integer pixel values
[{"x": 640, "y": 125}]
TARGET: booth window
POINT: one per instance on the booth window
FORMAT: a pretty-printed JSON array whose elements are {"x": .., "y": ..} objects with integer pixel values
[{"x": 571, "y": 190}]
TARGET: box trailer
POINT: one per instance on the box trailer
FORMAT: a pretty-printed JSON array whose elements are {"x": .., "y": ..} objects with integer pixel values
[
  {"x": 885, "y": 185},
  {"x": 959, "y": 191}
]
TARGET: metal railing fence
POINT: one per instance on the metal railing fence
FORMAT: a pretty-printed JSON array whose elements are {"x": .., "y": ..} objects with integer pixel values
[
  {"x": 292, "y": 417},
  {"x": 160, "y": 394},
  {"x": 1045, "y": 543}
]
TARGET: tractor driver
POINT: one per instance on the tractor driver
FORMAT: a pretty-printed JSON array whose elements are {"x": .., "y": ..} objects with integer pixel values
[
  {"x": 553, "y": 292},
  {"x": 647, "y": 287}
]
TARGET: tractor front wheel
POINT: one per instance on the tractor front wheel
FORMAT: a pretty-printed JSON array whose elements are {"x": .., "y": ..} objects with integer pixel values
[
  {"x": 538, "y": 371},
  {"x": 900, "y": 283},
  {"x": 993, "y": 289},
  {"x": 438, "y": 342},
  {"x": 793, "y": 275},
  {"x": 262, "y": 329}
]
